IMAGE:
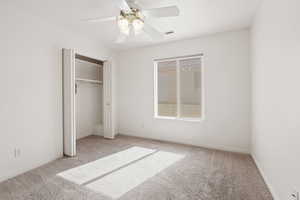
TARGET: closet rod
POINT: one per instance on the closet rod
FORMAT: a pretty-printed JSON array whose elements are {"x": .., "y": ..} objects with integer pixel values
[
  {"x": 88, "y": 59},
  {"x": 89, "y": 81}
]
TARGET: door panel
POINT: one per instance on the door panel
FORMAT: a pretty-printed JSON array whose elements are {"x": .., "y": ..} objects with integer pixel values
[
  {"x": 108, "y": 125},
  {"x": 69, "y": 126}
]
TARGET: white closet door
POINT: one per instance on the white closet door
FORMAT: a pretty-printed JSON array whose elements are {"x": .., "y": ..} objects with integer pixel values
[
  {"x": 69, "y": 102},
  {"x": 108, "y": 119}
]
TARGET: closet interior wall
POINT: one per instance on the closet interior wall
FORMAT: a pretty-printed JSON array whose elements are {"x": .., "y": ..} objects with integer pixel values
[{"x": 89, "y": 95}]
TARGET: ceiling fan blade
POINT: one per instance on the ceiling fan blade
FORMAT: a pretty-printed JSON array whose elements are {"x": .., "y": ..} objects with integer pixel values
[
  {"x": 170, "y": 11},
  {"x": 135, "y": 4},
  {"x": 121, "y": 38},
  {"x": 152, "y": 32},
  {"x": 100, "y": 19},
  {"x": 123, "y": 5}
]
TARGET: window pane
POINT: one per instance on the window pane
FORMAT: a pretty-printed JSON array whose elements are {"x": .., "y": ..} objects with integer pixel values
[
  {"x": 190, "y": 88},
  {"x": 166, "y": 89}
]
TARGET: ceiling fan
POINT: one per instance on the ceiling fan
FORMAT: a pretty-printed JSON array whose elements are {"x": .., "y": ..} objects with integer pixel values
[{"x": 132, "y": 19}]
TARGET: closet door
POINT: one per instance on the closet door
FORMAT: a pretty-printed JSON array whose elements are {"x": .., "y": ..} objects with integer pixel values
[
  {"x": 108, "y": 118},
  {"x": 69, "y": 127}
]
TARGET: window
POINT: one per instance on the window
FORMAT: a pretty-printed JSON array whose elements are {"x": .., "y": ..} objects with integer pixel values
[{"x": 178, "y": 88}]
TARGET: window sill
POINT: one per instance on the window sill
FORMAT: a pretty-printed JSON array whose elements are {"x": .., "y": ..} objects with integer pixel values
[{"x": 180, "y": 119}]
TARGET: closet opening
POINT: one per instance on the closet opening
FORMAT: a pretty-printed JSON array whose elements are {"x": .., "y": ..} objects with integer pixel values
[
  {"x": 88, "y": 107},
  {"x": 88, "y": 96}
]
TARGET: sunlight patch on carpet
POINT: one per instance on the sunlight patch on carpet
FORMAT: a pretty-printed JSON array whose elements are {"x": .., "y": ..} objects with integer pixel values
[
  {"x": 125, "y": 179},
  {"x": 87, "y": 172}
]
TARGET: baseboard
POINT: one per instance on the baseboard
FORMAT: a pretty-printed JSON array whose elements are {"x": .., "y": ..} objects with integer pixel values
[
  {"x": 90, "y": 134},
  {"x": 22, "y": 171},
  {"x": 263, "y": 174},
  {"x": 208, "y": 146}
]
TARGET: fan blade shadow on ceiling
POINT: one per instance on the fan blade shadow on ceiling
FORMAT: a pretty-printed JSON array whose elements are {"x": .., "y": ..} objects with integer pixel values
[
  {"x": 152, "y": 32},
  {"x": 100, "y": 19},
  {"x": 121, "y": 38}
]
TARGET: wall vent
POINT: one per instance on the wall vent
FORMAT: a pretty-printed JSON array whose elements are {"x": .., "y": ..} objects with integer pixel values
[{"x": 169, "y": 32}]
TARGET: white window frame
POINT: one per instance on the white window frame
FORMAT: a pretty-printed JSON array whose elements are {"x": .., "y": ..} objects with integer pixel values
[{"x": 178, "y": 59}]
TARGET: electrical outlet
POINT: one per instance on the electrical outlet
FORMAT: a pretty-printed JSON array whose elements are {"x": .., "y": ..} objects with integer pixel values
[{"x": 295, "y": 195}]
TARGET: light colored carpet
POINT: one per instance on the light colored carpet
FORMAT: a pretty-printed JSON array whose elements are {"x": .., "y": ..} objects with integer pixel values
[{"x": 200, "y": 174}]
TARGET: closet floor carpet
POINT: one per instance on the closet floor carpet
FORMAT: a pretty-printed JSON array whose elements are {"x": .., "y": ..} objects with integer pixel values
[{"x": 192, "y": 173}]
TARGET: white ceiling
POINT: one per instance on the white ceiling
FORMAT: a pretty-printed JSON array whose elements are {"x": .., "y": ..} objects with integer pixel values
[{"x": 197, "y": 17}]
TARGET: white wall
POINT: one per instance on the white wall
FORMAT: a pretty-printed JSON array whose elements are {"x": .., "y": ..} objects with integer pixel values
[
  {"x": 227, "y": 93},
  {"x": 31, "y": 88},
  {"x": 89, "y": 104},
  {"x": 276, "y": 96}
]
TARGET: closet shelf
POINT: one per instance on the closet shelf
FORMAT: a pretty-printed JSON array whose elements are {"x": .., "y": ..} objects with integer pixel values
[{"x": 88, "y": 81}]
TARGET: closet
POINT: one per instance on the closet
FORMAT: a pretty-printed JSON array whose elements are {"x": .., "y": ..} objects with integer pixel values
[
  {"x": 87, "y": 99},
  {"x": 88, "y": 96}
]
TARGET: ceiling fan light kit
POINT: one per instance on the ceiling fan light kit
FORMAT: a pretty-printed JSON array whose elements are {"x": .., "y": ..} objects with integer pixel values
[{"x": 133, "y": 19}]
